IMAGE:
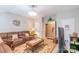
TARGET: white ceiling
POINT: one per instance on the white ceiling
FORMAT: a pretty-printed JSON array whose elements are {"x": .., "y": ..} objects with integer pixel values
[{"x": 40, "y": 9}]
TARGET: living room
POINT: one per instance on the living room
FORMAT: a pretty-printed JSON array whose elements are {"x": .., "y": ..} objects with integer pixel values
[{"x": 36, "y": 27}]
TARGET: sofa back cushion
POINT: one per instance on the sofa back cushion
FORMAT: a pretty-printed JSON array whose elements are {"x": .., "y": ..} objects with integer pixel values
[
  {"x": 4, "y": 48},
  {"x": 21, "y": 35},
  {"x": 14, "y": 36},
  {"x": 1, "y": 40}
]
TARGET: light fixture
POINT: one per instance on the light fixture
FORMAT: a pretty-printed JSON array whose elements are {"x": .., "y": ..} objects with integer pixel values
[{"x": 32, "y": 12}]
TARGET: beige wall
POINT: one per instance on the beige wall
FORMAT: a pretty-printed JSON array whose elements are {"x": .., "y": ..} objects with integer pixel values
[{"x": 6, "y": 24}]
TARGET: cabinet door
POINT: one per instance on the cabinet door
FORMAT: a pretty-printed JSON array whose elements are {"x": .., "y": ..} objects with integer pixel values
[{"x": 50, "y": 30}]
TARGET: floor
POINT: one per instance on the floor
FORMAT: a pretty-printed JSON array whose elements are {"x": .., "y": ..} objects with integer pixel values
[
  {"x": 55, "y": 50},
  {"x": 48, "y": 47}
]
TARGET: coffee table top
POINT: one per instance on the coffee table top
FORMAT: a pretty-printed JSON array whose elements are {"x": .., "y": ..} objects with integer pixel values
[{"x": 34, "y": 42}]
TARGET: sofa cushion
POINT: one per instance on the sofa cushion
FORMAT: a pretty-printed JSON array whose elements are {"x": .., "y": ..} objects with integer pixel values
[
  {"x": 14, "y": 36},
  {"x": 17, "y": 42},
  {"x": 21, "y": 35},
  {"x": 27, "y": 35},
  {"x": 5, "y": 48},
  {"x": 3, "y": 35},
  {"x": 1, "y": 40}
]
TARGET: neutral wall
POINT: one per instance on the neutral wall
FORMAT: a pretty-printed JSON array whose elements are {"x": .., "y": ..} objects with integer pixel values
[
  {"x": 38, "y": 26},
  {"x": 6, "y": 24},
  {"x": 69, "y": 15},
  {"x": 77, "y": 22}
]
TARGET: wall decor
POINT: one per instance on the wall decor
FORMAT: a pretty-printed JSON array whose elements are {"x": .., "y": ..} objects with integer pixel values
[
  {"x": 16, "y": 22},
  {"x": 67, "y": 27}
]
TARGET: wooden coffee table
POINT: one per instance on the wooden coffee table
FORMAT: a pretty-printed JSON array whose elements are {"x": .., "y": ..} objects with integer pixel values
[{"x": 33, "y": 44}]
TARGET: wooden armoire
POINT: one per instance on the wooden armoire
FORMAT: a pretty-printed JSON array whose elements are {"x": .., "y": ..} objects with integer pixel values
[{"x": 50, "y": 29}]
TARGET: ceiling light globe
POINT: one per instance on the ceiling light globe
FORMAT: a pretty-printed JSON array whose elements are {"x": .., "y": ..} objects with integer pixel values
[{"x": 32, "y": 13}]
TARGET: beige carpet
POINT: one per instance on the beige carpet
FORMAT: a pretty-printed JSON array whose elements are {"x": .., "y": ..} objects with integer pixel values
[{"x": 48, "y": 47}]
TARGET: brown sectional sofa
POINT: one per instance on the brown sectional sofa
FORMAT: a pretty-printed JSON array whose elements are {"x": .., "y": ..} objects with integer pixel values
[{"x": 22, "y": 37}]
